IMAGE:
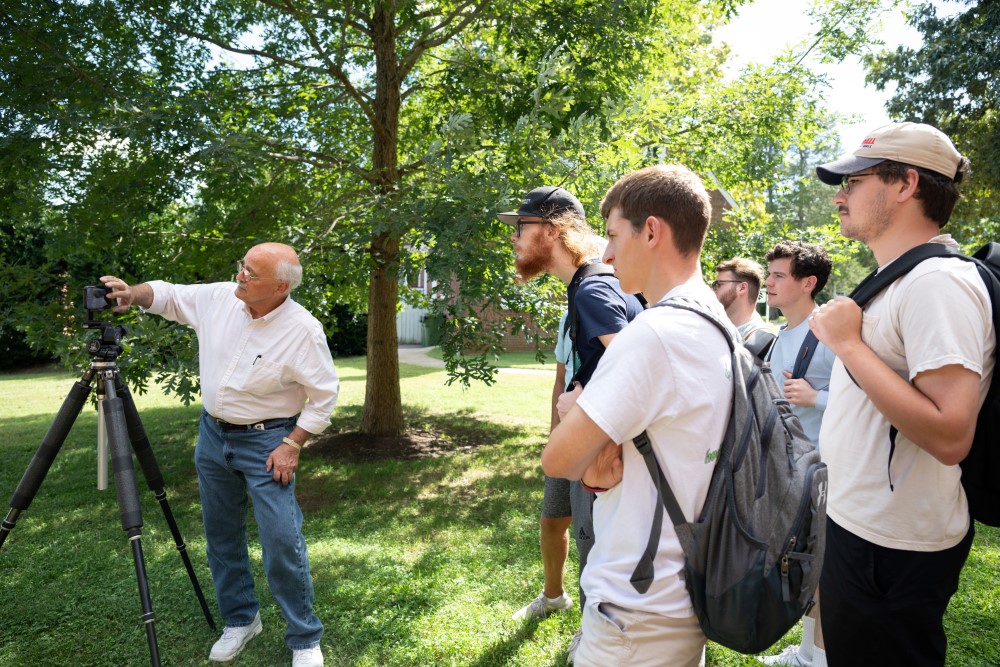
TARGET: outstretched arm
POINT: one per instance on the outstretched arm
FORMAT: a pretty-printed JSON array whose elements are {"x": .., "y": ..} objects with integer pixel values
[{"x": 137, "y": 295}]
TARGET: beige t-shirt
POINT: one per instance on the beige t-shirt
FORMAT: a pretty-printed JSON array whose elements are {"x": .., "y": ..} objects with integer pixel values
[{"x": 937, "y": 315}]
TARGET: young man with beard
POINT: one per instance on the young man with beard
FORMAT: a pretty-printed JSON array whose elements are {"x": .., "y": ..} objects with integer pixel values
[
  {"x": 669, "y": 373},
  {"x": 551, "y": 236},
  {"x": 737, "y": 285},
  {"x": 919, "y": 358}
]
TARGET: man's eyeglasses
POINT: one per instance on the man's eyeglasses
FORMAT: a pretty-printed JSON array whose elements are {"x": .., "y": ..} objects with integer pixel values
[
  {"x": 716, "y": 283},
  {"x": 241, "y": 267},
  {"x": 519, "y": 225},
  {"x": 847, "y": 181}
]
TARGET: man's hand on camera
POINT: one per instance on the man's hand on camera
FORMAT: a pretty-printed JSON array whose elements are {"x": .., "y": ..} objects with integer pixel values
[{"x": 137, "y": 295}]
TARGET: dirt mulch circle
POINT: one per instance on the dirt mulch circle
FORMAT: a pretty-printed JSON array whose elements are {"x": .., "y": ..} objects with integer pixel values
[{"x": 414, "y": 444}]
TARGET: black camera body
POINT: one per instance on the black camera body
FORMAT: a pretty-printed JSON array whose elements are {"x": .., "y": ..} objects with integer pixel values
[
  {"x": 95, "y": 297},
  {"x": 107, "y": 345}
]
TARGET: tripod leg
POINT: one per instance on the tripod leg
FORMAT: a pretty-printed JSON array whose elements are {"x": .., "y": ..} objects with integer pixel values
[
  {"x": 128, "y": 504},
  {"x": 151, "y": 471},
  {"x": 33, "y": 477}
]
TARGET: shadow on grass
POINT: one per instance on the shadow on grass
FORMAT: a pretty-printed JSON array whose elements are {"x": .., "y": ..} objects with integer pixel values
[
  {"x": 501, "y": 652},
  {"x": 399, "y": 548}
]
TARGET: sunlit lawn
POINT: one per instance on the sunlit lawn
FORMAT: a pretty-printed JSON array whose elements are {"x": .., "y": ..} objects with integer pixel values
[{"x": 415, "y": 562}]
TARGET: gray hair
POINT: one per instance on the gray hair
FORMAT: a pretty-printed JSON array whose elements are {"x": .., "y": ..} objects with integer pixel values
[{"x": 288, "y": 272}]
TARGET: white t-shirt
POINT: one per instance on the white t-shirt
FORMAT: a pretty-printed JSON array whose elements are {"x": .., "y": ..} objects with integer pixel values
[
  {"x": 254, "y": 369},
  {"x": 937, "y": 315},
  {"x": 668, "y": 372}
]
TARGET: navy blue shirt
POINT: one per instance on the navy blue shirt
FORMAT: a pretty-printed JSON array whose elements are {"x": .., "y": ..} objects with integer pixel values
[{"x": 601, "y": 308}]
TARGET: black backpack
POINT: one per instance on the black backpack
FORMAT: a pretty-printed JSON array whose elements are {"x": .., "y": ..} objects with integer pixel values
[
  {"x": 981, "y": 468},
  {"x": 753, "y": 558}
]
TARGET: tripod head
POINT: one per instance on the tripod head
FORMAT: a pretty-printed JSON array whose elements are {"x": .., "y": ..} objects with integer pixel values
[{"x": 106, "y": 346}]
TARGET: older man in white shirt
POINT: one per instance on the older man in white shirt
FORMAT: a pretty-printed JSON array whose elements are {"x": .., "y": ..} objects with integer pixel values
[{"x": 268, "y": 383}]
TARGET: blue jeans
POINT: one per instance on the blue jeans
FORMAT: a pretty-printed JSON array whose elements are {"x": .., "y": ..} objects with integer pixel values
[{"x": 230, "y": 465}]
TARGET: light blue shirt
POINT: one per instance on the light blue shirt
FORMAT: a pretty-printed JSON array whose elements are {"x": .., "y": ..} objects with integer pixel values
[
  {"x": 783, "y": 356},
  {"x": 564, "y": 349}
]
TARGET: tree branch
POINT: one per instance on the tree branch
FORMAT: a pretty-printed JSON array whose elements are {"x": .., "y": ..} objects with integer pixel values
[
  {"x": 315, "y": 158},
  {"x": 447, "y": 28},
  {"x": 344, "y": 20},
  {"x": 69, "y": 62},
  {"x": 232, "y": 49}
]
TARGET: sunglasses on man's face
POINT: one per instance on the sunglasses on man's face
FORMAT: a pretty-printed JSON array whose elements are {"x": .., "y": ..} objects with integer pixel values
[{"x": 519, "y": 226}]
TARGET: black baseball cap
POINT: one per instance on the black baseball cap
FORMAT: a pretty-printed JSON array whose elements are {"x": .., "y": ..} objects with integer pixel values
[{"x": 544, "y": 202}]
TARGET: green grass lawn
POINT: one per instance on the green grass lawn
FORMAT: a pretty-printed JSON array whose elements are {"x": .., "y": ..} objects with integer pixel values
[
  {"x": 418, "y": 562},
  {"x": 513, "y": 360}
]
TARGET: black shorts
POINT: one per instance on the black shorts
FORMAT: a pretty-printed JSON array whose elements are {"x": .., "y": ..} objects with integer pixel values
[{"x": 886, "y": 606}]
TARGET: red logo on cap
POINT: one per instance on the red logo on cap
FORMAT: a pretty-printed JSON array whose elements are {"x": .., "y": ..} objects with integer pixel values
[{"x": 870, "y": 141}]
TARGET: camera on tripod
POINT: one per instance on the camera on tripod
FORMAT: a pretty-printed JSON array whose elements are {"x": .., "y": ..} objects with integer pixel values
[
  {"x": 107, "y": 345},
  {"x": 95, "y": 297}
]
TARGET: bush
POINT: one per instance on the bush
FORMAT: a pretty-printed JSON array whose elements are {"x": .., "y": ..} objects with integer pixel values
[{"x": 347, "y": 336}]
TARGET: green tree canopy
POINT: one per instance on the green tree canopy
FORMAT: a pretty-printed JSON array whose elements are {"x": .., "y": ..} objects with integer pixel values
[
  {"x": 950, "y": 82},
  {"x": 156, "y": 139}
]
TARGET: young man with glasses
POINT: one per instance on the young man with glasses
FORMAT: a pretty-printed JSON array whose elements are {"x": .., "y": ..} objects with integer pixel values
[
  {"x": 918, "y": 359},
  {"x": 737, "y": 286},
  {"x": 551, "y": 236},
  {"x": 268, "y": 383}
]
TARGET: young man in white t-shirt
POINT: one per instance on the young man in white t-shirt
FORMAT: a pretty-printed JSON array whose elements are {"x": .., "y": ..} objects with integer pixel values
[
  {"x": 669, "y": 373},
  {"x": 921, "y": 356}
]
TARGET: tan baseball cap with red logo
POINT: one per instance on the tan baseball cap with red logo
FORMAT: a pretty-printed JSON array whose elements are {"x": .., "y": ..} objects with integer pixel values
[{"x": 915, "y": 144}]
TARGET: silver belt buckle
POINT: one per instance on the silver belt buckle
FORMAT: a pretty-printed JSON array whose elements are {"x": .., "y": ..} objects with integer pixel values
[{"x": 259, "y": 426}]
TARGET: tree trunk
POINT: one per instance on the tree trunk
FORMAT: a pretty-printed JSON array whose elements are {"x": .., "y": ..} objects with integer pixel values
[{"x": 383, "y": 411}]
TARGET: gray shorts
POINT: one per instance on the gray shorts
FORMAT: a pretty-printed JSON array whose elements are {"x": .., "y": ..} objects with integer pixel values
[
  {"x": 555, "y": 502},
  {"x": 564, "y": 498}
]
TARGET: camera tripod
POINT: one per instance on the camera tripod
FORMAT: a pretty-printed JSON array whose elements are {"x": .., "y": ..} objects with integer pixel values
[{"x": 122, "y": 427}]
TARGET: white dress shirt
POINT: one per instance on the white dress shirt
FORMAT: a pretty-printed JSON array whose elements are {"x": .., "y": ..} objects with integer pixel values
[{"x": 254, "y": 369}]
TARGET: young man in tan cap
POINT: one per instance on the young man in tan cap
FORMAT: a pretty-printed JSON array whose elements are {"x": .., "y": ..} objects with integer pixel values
[
  {"x": 551, "y": 235},
  {"x": 921, "y": 357}
]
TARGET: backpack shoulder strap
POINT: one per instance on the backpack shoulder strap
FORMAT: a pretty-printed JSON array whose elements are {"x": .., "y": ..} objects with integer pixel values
[
  {"x": 806, "y": 352},
  {"x": 876, "y": 281},
  {"x": 642, "y": 576},
  {"x": 572, "y": 320},
  {"x": 759, "y": 342}
]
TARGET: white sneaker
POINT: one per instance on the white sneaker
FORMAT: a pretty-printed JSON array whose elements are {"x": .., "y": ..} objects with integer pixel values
[
  {"x": 574, "y": 644},
  {"x": 233, "y": 639},
  {"x": 787, "y": 658},
  {"x": 307, "y": 657},
  {"x": 543, "y": 606}
]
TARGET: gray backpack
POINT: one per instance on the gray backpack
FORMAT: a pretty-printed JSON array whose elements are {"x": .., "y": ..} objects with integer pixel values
[{"x": 754, "y": 556}]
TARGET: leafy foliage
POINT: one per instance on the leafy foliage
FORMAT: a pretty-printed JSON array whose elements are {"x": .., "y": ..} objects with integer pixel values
[
  {"x": 160, "y": 139},
  {"x": 950, "y": 82}
]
